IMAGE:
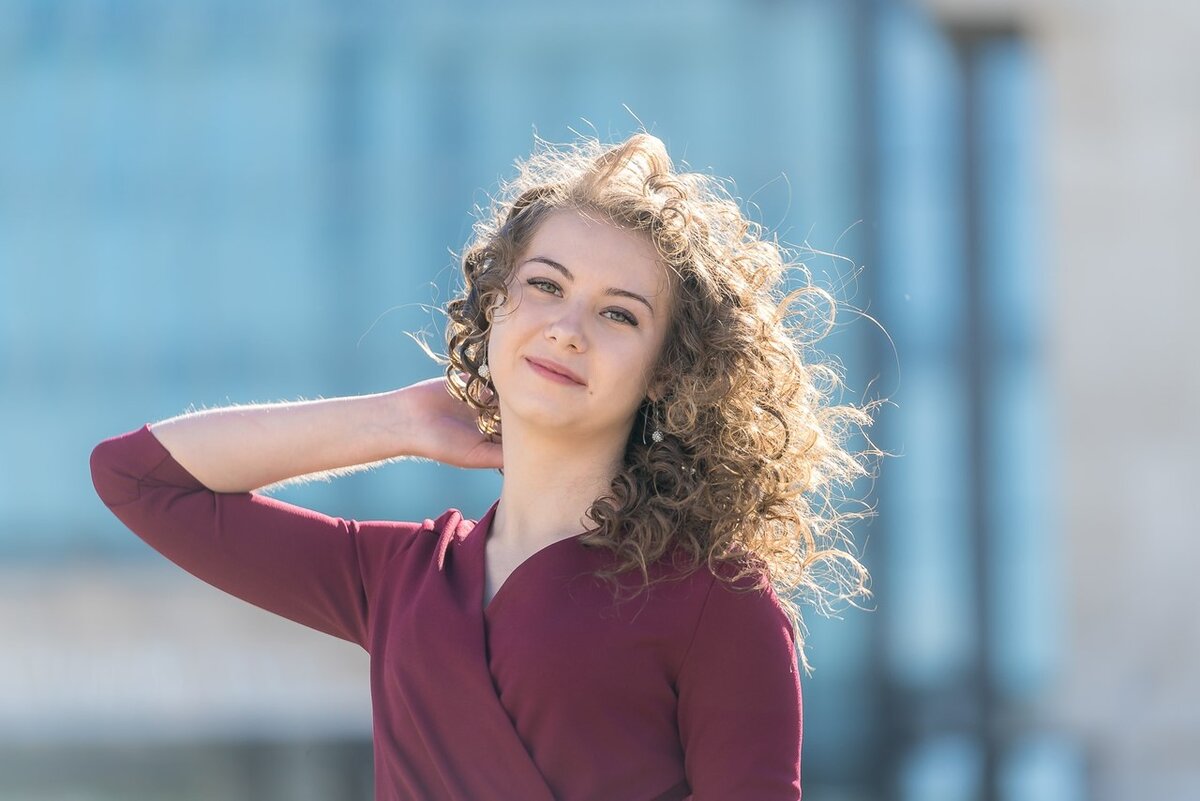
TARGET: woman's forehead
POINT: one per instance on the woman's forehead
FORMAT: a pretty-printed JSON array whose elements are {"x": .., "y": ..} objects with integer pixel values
[{"x": 587, "y": 245}]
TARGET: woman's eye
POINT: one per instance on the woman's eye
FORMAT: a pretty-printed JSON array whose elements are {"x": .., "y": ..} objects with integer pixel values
[
  {"x": 625, "y": 318},
  {"x": 541, "y": 282},
  {"x": 551, "y": 288}
]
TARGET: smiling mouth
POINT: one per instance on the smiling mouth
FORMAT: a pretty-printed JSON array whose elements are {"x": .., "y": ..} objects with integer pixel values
[{"x": 551, "y": 373}]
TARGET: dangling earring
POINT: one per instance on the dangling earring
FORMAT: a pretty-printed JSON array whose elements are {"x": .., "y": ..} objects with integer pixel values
[
  {"x": 657, "y": 435},
  {"x": 484, "y": 372}
]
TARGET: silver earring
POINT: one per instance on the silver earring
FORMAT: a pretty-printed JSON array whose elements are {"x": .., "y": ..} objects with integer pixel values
[
  {"x": 657, "y": 434},
  {"x": 484, "y": 372}
]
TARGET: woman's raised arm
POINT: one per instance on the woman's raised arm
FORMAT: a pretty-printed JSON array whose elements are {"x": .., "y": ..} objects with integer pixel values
[
  {"x": 189, "y": 495},
  {"x": 243, "y": 448}
]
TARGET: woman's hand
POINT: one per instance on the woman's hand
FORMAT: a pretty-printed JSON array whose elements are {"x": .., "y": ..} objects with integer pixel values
[{"x": 443, "y": 428}]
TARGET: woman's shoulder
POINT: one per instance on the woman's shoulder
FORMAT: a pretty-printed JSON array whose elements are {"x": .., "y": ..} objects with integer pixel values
[
  {"x": 736, "y": 572},
  {"x": 698, "y": 582},
  {"x": 732, "y": 588},
  {"x": 426, "y": 539}
]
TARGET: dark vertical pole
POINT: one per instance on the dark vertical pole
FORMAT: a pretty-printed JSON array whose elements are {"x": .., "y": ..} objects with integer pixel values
[
  {"x": 892, "y": 729},
  {"x": 978, "y": 352}
]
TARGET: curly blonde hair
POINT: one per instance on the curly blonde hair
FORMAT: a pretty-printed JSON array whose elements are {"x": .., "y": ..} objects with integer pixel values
[{"x": 753, "y": 453}]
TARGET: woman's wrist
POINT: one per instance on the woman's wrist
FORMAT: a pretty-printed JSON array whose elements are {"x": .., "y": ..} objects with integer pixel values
[{"x": 401, "y": 425}]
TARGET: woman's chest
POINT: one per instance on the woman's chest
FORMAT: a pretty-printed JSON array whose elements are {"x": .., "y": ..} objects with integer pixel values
[
  {"x": 539, "y": 627},
  {"x": 560, "y": 657}
]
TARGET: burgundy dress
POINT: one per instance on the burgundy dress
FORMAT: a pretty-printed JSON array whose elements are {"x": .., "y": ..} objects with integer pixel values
[{"x": 551, "y": 691}]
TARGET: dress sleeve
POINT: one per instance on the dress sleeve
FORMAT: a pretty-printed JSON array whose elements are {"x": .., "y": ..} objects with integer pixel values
[
  {"x": 740, "y": 710},
  {"x": 310, "y": 568}
]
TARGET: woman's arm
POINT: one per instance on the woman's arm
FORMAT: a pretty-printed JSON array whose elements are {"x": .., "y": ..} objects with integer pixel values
[
  {"x": 243, "y": 448},
  {"x": 189, "y": 495},
  {"x": 740, "y": 704}
]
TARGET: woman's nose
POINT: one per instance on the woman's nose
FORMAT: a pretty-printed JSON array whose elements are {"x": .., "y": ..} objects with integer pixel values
[{"x": 567, "y": 329}]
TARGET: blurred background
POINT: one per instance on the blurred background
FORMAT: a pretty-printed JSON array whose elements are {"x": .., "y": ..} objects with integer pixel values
[{"x": 214, "y": 202}]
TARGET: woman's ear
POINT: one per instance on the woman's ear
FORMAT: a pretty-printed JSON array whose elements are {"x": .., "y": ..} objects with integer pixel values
[{"x": 655, "y": 392}]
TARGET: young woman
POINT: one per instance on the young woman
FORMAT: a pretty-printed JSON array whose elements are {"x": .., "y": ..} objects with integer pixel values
[{"x": 620, "y": 624}]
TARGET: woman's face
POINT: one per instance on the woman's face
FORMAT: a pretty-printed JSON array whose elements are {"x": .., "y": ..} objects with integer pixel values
[{"x": 589, "y": 299}]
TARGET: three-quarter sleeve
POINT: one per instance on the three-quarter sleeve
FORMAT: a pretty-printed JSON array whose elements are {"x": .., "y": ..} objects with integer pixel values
[
  {"x": 316, "y": 570},
  {"x": 740, "y": 708}
]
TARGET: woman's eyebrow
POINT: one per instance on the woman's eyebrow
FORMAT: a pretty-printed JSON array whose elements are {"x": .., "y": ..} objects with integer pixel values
[{"x": 625, "y": 293}]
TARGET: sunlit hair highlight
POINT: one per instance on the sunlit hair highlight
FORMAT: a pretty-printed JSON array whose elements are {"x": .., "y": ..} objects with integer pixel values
[{"x": 751, "y": 472}]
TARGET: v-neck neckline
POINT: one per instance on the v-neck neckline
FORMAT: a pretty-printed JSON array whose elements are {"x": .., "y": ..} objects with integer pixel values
[{"x": 483, "y": 532}]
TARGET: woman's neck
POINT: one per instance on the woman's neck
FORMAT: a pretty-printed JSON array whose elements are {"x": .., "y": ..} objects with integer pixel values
[{"x": 549, "y": 486}]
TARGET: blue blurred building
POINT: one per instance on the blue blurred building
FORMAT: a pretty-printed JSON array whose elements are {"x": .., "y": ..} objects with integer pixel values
[{"x": 208, "y": 203}]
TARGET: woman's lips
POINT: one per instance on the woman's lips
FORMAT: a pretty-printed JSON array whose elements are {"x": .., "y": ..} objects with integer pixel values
[{"x": 550, "y": 374}]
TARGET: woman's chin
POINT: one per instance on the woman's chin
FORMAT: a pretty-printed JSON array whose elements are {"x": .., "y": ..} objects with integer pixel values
[
  {"x": 553, "y": 423},
  {"x": 543, "y": 414},
  {"x": 559, "y": 424}
]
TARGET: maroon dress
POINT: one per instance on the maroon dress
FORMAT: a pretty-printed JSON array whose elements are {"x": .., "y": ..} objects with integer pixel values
[{"x": 551, "y": 691}]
